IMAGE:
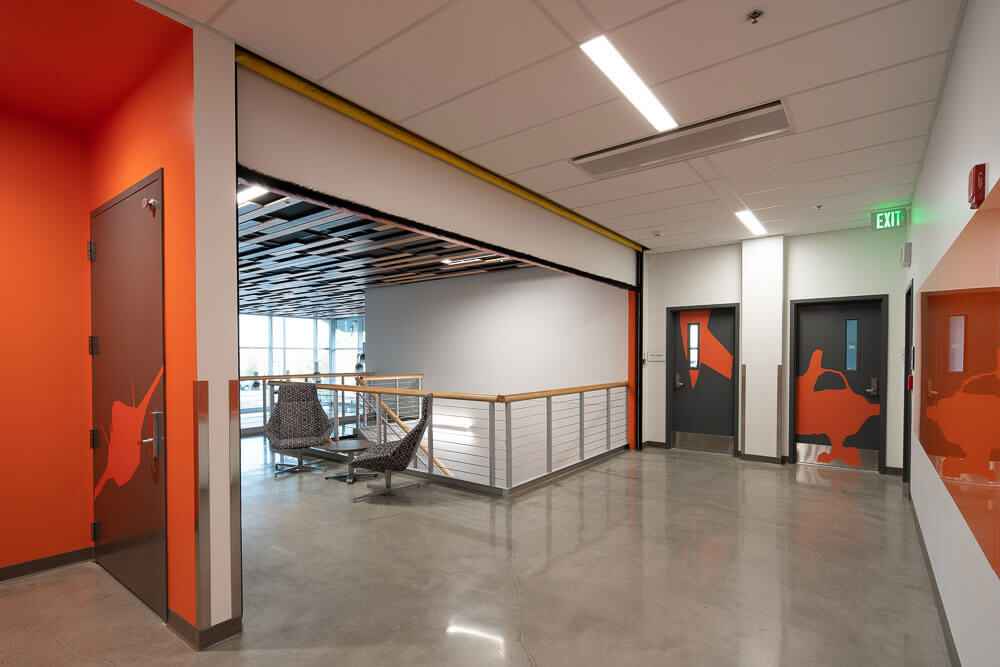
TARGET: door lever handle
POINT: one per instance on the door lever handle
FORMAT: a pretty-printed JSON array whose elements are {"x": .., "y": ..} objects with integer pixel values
[
  {"x": 872, "y": 389},
  {"x": 156, "y": 442},
  {"x": 678, "y": 382}
]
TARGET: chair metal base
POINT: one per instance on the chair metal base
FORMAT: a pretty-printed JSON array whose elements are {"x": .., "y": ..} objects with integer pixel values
[
  {"x": 300, "y": 466},
  {"x": 351, "y": 476},
  {"x": 387, "y": 490}
]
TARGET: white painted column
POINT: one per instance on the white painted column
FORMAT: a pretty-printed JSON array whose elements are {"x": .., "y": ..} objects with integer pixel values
[
  {"x": 215, "y": 238},
  {"x": 761, "y": 322}
]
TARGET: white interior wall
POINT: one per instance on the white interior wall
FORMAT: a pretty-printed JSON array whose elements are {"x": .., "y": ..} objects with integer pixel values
[
  {"x": 853, "y": 262},
  {"x": 688, "y": 278},
  {"x": 965, "y": 132},
  {"x": 326, "y": 151},
  {"x": 500, "y": 333},
  {"x": 215, "y": 285},
  {"x": 762, "y": 265}
]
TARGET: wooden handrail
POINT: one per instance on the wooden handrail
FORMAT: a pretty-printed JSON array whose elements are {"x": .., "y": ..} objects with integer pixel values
[
  {"x": 374, "y": 376},
  {"x": 406, "y": 429},
  {"x": 527, "y": 396},
  {"x": 365, "y": 389}
]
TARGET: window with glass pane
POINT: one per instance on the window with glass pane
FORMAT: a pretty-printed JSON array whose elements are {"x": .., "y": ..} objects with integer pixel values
[
  {"x": 348, "y": 333},
  {"x": 253, "y": 331},
  {"x": 322, "y": 334},
  {"x": 851, "y": 345},
  {"x": 253, "y": 361},
  {"x": 277, "y": 331},
  {"x": 298, "y": 362},
  {"x": 345, "y": 360},
  {"x": 956, "y": 343},
  {"x": 298, "y": 332},
  {"x": 693, "y": 345}
]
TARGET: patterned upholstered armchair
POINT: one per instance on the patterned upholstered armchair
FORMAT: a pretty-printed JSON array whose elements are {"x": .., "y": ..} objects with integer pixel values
[
  {"x": 390, "y": 456},
  {"x": 297, "y": 422}
]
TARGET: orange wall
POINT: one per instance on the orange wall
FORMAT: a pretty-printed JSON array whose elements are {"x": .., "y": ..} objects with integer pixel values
[
  {"x": 153, "y": 128},
  {"x": 46, "y": 483}
]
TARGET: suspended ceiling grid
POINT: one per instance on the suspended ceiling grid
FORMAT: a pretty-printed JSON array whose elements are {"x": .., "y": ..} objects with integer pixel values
[
  {"x": 299, "y": 259},
  {"x": 506, "y": 85}
]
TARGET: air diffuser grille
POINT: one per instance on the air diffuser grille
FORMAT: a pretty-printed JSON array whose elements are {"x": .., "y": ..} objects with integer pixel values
[{"x": 711, "y": 136}]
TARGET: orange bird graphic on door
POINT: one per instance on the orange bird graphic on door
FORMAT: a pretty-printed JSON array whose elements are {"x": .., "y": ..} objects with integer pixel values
[
  {"x": 125, "y": 442},
  {"x": 835, "y": 413},
  {"x": 711, "y": 351}
]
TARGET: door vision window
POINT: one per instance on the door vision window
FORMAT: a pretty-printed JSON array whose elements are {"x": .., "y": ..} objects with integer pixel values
[
  {"x": 851, "y": 345},
  {"x": 693, "y": 345}
]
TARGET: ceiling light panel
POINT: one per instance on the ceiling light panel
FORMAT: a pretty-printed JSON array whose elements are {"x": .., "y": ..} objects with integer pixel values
[
  {"x": 751, "y": 222},
  {"x": 603, "y": 54}
]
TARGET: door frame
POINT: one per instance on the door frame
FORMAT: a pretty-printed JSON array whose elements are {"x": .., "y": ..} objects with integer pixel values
[
  {"x": 883, "y": 301},
  {"x": 909, "y": 363},
  {"x": 669, "y": 364},
  {"x": 161, "y": 209}
]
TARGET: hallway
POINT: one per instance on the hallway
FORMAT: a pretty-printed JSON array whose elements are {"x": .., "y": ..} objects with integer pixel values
[{"x": 663, "y": 557}]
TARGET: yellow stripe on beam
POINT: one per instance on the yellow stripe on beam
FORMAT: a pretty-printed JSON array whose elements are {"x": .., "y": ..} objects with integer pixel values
[{"x": 372, "y": 120}]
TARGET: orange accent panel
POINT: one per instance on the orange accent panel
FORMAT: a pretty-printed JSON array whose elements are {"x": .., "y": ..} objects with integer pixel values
[
  {"x": 153, "y": 128},
  {"x": 960, "y": 409},
  {"x": 633, "y": 320},
  {"x": 711, "y": 352},
  {"x": 45, "y": 395},
  {"x": 836, "y": 413}
]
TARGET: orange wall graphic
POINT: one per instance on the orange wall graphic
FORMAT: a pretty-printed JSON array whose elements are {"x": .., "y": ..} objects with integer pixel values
[
  {"x": 711, "y": 351},
  {"x": 45, "y": 395},
  {"x": 631, "y": 403},
  {"x": 154, "y": 127},
  {"x": 835, "y": 413}
]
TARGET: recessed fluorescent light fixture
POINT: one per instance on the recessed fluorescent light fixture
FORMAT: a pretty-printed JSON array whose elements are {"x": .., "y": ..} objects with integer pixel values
[
  {"x": 751, "y": 222},
  {"x": 469, "y": 260},
  {"x": 252, "y": 192},
  {"x": 616, "y": 68}
]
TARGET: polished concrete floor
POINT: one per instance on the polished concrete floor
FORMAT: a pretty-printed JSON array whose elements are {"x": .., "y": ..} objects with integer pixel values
[{"x": 665, "y": 557}]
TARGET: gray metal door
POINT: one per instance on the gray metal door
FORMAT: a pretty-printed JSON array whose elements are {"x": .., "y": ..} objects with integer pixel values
[{"x": 129, "y": 423}]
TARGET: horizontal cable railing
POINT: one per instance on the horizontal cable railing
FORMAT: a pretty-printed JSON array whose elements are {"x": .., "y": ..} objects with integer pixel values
[{"x": 496, "y": 441}]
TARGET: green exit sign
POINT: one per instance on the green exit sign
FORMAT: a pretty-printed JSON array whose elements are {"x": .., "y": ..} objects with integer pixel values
[{"x": 894, "y": 218}]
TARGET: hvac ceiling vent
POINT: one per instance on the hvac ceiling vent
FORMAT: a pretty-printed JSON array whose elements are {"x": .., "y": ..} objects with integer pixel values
[{"x": 766, "y": 121}]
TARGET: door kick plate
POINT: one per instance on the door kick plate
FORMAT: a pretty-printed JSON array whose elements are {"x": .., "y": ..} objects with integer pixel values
[{"x": 808, "y": 453}]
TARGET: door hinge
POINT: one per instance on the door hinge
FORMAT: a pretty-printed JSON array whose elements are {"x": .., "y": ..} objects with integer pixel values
[
  {"x": 92, "y": 344},
  {"x": 95, "y": 531},
  {"x": 94, "y": 438},
  {"x": 92, "y": 251}
]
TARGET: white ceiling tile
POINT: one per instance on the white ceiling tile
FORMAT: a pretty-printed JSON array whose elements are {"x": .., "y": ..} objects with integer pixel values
[
  {"x": 199, "y": 10},
  {"x": 607, "y": 124},
  {"x": 688, "y": 36},
  {"x": 550, "y": 177},
  {"x": 672, "y": 241},
  {"x": 874, "y": 130},
  {"x": 715, "y": 223},
  {"x": 572, "y": 19},
  {"x": 628, "y": 185},
  {"x": 610, "y": 13},
  {"x": 466, "y": 45},
  {"x": 653, "y": 201},
  {"x": 818, "y": 191},
  {"x": 870, "y": 200},
  {"x": 555, "y": 87},
  {"x": 893, "y": 35},
  {"x": 313, "y": 38},
  {"x": 830, "y": 166},
  {"x": 668, "y": 216},
  {"x": 892, "y": 88}
]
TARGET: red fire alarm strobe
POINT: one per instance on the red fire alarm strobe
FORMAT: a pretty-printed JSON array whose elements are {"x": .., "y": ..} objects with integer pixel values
[{"x": 977, "y": 185}]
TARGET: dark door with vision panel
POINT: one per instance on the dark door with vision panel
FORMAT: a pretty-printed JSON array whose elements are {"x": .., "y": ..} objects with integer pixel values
[
  {"x": 840, "y": 362},
  {"x": 128, "y": 390},
  {"x": 701, "y": 372}
]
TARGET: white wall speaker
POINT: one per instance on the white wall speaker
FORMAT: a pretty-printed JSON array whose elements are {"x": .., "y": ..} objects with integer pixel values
[{"x": 906, "y": 255}]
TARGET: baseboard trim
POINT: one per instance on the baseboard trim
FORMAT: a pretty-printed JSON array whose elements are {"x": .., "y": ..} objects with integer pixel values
[
  {"x": 762, "y": 459},
  {"x": 47, "y": 563},
  {"x": 945, "y": 626},
  {"x": 207, "y": 638},
  {"x": 893, "y": 471},
  {"x": 655, "y": 443}
]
